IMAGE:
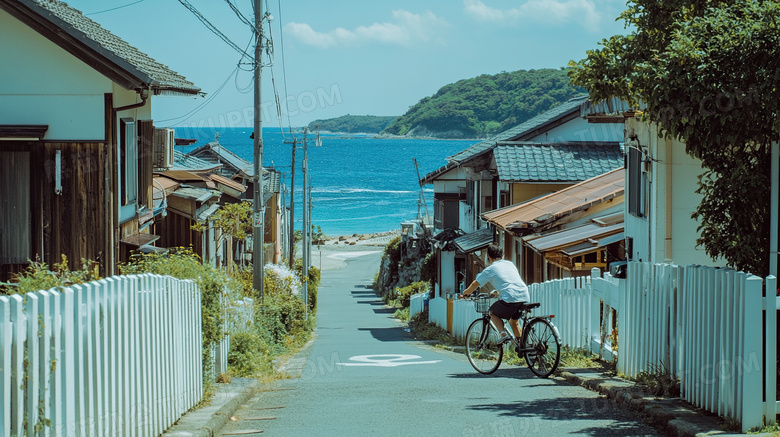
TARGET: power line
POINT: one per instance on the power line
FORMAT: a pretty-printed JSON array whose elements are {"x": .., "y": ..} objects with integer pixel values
[
  {"x": 113, "y": 9},
  {"x": 240, "y": 15},
  {"x": 205, "y": 102},
  {"x": 233, "y": 73},
  {"x": 284, "y": 69},
  {"x": 214, "y": 29}
]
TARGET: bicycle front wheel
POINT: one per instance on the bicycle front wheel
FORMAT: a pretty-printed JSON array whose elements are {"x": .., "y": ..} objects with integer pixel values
[
  {"x": 482, "y": 347},
  {"x": 543, "y": 352}
]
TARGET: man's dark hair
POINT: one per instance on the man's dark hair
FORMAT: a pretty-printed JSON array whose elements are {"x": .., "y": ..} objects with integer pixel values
[{"x": 495, "y": 251}]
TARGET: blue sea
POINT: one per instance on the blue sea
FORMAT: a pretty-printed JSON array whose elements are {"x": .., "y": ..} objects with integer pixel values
[{"x": 360, "y": 184}]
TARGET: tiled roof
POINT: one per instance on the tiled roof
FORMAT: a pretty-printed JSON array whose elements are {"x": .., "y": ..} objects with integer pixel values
[
  {"x": 187, "y": 162},
  {"x": 216, "y": 150},
  {"x": 517, "y": 132},
  {"x": 272, "y": 180},
  {"x": 555, "y": 162},
  {"x": 227, "y": 182},
  {"x": 475, "y": 240},
  {"x": 98, "y": 47}
]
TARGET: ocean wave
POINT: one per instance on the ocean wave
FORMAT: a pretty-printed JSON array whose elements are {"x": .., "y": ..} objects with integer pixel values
[
  {"x": 353, "y": 219},
  {"x": 358, "y": 190}
]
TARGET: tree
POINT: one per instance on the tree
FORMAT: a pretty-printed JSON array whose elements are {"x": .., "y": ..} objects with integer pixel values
[
  {"x": 707, "y": 73},
  {"x": 234, "y": 220}
]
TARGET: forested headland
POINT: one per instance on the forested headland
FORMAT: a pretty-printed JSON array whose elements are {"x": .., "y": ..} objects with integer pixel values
[
  {"x": 485, "y": 105},
  {"x": 470, "y": 108},
  {"x": 353, "y": 124}
]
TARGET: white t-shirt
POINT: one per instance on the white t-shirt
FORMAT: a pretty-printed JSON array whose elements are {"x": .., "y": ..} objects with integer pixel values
[{"x": 504, "y": 277}]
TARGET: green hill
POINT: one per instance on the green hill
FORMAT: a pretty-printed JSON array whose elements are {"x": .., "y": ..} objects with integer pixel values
[
  {"x": 485, "y": 105},
  {"x": 353, "y": 124}
]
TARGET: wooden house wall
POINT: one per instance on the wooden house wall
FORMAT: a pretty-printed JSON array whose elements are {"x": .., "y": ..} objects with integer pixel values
[
  {"x": 176, "y": 231},
  {"x": 72, "y": 223}
]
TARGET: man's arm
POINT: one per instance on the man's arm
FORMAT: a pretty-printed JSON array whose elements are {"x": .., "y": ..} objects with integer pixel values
[{"x": 474, "y": 285}]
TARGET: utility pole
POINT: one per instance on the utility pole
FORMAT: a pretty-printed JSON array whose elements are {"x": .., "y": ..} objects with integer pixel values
[
  {"x": 306, "y": 224},
  {"x": 258, "y": 233},
  {"x": 291, "y": 261}
]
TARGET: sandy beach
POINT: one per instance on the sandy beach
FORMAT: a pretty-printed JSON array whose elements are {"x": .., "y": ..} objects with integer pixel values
[{"x": 333, "y": 254}]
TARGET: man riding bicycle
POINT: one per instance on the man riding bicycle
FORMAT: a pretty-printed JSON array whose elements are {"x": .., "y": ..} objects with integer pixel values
[{"x": 513, "y": 292}]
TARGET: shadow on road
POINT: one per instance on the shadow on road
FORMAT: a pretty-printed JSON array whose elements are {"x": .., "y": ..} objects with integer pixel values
[
  {"x": 566, "y": 409},
  {"x": 388, "y": 334}
]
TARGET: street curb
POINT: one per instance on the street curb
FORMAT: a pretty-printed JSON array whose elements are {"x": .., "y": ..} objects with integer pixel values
[
  {"x": 217, "y": 420},
  {"x": 671, "y": 416},
  {"x": 222, "y": 416}
]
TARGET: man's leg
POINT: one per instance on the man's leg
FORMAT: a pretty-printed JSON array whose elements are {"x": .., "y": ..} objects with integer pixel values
[
  {"x": 497, "y": 321},
  {"x": 515, "y": 327}
]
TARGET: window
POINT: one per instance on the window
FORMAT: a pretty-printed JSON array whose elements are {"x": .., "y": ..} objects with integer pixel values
[
  {"x": 15, "y": 216},
  {"x": 128, "y": 152},
  {"x": 636, "y": 180}
]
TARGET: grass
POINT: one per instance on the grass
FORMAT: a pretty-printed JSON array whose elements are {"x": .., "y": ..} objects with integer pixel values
[{"x": 773, "y": 429}]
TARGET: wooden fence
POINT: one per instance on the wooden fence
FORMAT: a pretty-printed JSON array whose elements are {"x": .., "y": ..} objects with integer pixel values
[
  {"x": 715, "y": 330},
  {"x": 121, "y": 356}
]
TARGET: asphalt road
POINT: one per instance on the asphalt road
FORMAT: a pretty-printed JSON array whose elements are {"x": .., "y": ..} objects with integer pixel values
[{"x": 365, "y": 375}]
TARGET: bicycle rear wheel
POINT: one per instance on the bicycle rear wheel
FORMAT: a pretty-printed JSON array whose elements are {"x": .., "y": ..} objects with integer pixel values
[
  {"x": 543, "y": 347},
  {"x": 482, "y": 347}
]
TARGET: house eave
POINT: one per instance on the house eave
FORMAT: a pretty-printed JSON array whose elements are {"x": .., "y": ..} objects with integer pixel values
[{"x": 90, "y": 52}]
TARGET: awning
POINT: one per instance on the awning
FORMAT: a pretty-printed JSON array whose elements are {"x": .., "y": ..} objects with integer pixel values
[
  {"x": 140, "y": 239},
  {"x": 561, "y": 240},
  {"x": 592, "y": 245},
  {"x": 542, "y": 212},
  {"x": 23, "y": 132},
  {"x": 474, "y": 241},
  {"x": 204, "y": 215}
]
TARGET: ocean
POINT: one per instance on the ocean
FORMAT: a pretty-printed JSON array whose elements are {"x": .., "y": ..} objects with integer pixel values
[{"x": 359, "y": 184}]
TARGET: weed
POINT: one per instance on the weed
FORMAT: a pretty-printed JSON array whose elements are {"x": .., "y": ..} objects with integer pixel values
[
  {"x": 658, "y": 381},
  {"x": 429, "y": 331}
]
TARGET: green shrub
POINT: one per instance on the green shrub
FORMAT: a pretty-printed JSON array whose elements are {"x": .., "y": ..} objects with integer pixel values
[
  {"x": 37, "y": 277},
  {"x": 428, "y": 331},
  {"x": 405, "y": 294},
  {"x": 281, "y": 318},
  {"x": 429, "y": 269},
  {"x": 314, "y": 283},
  {"x": 249, "y": 355},
  {"x": 393, "y": 253}
]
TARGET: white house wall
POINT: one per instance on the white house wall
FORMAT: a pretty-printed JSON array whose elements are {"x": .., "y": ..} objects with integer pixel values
[
  {"x": 579, "y": 129},
  {"x": 448, "y": 280},
  {"x": 650, "y": 233},
  {"x": 448, "y": 186},
  {"x": 44, "y": 84}
]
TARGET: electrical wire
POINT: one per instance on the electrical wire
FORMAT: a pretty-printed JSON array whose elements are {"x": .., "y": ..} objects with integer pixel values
[
  {"x": 284, "y": 69},
  {"x": 205, "y": 102},
  {"x": 214, "y": 29},
  {"x": 113, "y": 9},
  {"x": 233, "y": 73},
  {"x": 240, "y": 16}
]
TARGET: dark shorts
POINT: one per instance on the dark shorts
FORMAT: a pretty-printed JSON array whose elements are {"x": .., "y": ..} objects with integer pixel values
[{"x": 506, "y": 310}]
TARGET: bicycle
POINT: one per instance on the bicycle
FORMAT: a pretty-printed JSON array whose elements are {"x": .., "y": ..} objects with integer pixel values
[{"x": 539, "y": 342}]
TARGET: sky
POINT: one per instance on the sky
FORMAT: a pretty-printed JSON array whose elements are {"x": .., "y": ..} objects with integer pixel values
[{"x": 337, "y": 57}]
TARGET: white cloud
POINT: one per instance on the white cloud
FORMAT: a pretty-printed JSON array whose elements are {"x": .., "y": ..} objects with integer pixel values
[
  {"x": 406, "y": 29},
  {"x": 582, "y": 12}
]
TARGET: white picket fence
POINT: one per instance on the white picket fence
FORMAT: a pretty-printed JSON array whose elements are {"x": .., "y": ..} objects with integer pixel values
[
  {"x": 713, "y": 329},
  {"x": 702, "y": 325},
  {"x": 121, "y": 356},
  {"x": 417, "y": 303}
]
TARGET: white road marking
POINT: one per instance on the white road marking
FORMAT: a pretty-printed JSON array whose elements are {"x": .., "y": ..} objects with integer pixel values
[{"x": 386, "y": 360}]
